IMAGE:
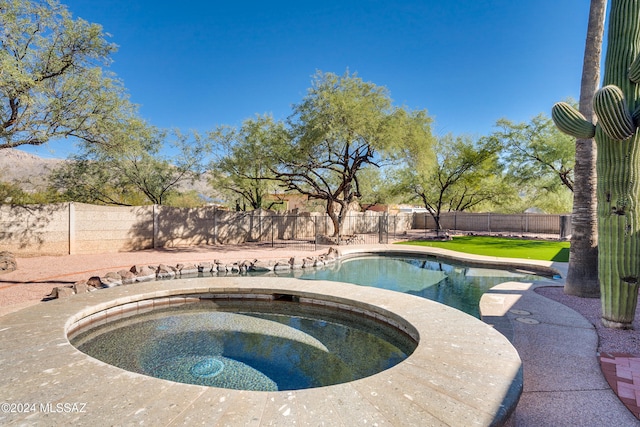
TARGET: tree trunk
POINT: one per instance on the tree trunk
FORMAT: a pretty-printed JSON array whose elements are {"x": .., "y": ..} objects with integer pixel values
[
  {"x": 618, "y": 168},
  {"x": 334, "y": 218},
  {"x": 582, "y": 277},
  {"x": 436, "y": 218}
]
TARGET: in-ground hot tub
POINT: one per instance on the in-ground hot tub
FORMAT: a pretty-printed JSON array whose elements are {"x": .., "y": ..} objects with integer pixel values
[
  {"x": 247, "y": 341},
  {"x": 462, "y": 372}
]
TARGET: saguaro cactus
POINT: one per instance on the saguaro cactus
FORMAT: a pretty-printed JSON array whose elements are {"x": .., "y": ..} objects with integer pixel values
[{"x": 617, "y": 107}]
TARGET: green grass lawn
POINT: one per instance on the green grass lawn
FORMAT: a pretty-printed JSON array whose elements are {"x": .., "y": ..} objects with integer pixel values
[{"x": 502, "y": 247}]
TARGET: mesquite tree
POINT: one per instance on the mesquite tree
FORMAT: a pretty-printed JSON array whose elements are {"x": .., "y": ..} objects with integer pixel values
[
  {"x": 617, "y": 107},
  {"x": 52, "y": 83},
  {"x": 242, "y": 169},
  {"x": 342, "y": 126}
]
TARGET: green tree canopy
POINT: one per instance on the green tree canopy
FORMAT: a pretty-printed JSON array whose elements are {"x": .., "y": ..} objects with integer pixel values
[
  {"x": 132, "y": 170},
  {"x": 243, "y": 168},
  {"x": 376, "y": 187},
  {"x": 12, "y": 194},
  {"x": 52, "y": 84},
  {"x": 536, "y": 149},
  {"x": 343, "y": 125},
  {"x": 455, "y": 174},
  {"x": 540, "y": 162}
]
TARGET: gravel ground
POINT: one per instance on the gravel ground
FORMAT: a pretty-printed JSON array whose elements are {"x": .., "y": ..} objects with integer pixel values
[{"x": 610, "y": 340}]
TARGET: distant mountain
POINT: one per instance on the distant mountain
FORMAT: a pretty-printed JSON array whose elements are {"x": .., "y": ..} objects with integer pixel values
[
  {"x": 27, "y": 170},
  {"x": 30, "y": 171}
]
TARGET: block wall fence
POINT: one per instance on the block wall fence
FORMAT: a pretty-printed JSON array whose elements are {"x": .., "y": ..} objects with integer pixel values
[
  {"x": 77, "y": 228},
  {"x": 527, "y": 223}
]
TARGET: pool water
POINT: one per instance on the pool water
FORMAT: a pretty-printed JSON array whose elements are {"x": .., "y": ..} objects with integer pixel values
[
  {"x": 457, "y": 286},
  {"x": 283, "y": 345},
  {"x": 255, "y": 345}
]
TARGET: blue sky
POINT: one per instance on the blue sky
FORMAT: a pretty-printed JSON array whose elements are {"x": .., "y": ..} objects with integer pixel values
[{"x": 197, "y": 64}]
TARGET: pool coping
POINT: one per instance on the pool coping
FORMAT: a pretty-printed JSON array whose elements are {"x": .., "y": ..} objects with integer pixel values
[
  {"x": 463, "y": 372},
  {"x": 547, "y": 268}
]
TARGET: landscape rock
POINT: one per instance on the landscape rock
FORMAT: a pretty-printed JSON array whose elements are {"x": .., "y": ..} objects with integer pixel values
[
  {"x": 187, "y": 269},
  {"x": 308, "y": 262},
  {"x": 165, "y": 272},
  {"x": 143, "y": 273},
  {"x": 127, "y": 277},
  {"x": 261, "y": 266},
  {"x": 7, "y": 262},
  {"x": 80, "y": 287},
  {"x": 245, "y": 266},
  {"x": 296, "y": 263},
  {"x": 62, "y": 292},
  {"x": 282, "y": 265},
  {"x": 95, "y": 282},
  {"x": 205, "y": 267},
  {"x": 112, "y": 279},
  {"x": 335, "y": 252}
]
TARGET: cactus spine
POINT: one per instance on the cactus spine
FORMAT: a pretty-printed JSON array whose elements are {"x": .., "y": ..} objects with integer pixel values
[{"x": 617, "y": 107}]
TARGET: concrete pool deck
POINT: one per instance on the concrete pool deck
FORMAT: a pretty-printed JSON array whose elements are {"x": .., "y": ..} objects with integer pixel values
[{"x": 563, "y": 384}]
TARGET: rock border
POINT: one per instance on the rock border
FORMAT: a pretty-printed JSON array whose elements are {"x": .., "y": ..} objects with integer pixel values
[{"x": 146, "y": 273}]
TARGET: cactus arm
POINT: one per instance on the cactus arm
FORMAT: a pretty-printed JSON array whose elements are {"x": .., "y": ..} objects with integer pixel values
[
  {"x": 571, "y": 121},
  {"x": 634, "y": 70},
  {"x": 613, "y": 115}
]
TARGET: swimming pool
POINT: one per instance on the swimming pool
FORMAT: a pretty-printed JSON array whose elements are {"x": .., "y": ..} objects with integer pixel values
[
  {"x": 280, "y": 344},
  {"x": 456, "y": 285}
]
